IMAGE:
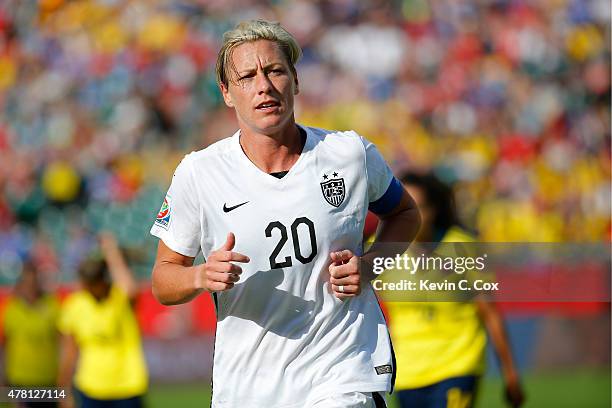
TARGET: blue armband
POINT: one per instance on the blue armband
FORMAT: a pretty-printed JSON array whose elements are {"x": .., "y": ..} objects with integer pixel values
[{"x": 389, "y": 200}]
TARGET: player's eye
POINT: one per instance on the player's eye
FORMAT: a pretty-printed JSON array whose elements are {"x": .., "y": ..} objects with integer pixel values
[{"x": 246, "y": 76}]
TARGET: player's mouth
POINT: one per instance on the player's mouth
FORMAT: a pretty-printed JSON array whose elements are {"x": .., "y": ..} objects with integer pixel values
[{"x": 268, "y": 106}]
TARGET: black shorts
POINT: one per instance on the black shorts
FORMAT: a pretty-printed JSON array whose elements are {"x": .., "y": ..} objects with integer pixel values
[{"x": 379, "y": 400}]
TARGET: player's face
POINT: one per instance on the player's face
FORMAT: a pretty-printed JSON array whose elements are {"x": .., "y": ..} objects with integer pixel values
[
  {"x": 98, "y": 290},
  {"x": 261, "y": 87},
  {"x": 29, "y": 284}
]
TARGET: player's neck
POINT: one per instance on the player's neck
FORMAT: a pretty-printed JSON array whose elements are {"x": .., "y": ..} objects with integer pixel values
[{"x": 272, "y": 152}]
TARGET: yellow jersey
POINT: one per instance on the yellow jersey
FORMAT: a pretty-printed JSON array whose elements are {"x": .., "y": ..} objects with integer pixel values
[
  {"x": 434, "y": 341},
  {"x": 111, "y": 363},
  {"x": 31, "y": 349}
]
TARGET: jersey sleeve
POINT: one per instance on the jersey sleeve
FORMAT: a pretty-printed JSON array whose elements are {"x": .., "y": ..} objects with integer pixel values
[
  {"x": 178, "y": 223},
  {"x": 384, "y": 190},
  {"x": 65, "y": 322},
  {"x": 8, "y": 319}
]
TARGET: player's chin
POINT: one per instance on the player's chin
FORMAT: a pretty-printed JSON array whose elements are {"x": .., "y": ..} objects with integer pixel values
[{"x": 273, "y": 121}]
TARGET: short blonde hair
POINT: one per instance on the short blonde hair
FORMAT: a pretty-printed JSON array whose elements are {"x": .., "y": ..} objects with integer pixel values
[{"x": 253, "y": 30}]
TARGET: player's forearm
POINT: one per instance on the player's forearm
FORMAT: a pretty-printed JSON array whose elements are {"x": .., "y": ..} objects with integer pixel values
[
  {"x": 174, "y": 284},
  {"x": 499, "y": 337},
  {"x": 69, "y": 352},
  {"x": 502, "y": 347},
  {"x": 393, "y": 236},
  {"x": 120, "y": 272},
  {"x": 118, "y": 267},
  {"x": 64, "y": 378}
]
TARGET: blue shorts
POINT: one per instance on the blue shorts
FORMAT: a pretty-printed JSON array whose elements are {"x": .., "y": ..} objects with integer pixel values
[
  {"x": 37, "y": 404},
  {"x": 457, "y": 392},
  {"x": 83, "y": 401}
]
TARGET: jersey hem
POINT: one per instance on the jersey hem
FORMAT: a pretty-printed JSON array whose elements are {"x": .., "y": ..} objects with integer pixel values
[
  {"x": 351, "y": 387},
  {"x": 317, "y": 396}
]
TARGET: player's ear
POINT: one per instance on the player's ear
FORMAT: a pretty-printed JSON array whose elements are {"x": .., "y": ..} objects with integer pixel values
[
  {"x": 297, "y": 85},
  {"x": 227, "y": 98}
]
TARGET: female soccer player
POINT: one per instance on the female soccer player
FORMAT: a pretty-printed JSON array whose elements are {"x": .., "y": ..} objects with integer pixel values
[
  {"x": 30, "y": 335},
  {"x": 278, "y": 211},
  {"x": 101, "y": 336},
  {"x": 441, "y": 345}
]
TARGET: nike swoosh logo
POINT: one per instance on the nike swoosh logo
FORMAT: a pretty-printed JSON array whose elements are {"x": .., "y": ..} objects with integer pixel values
[{"x": 227, "y": 209}]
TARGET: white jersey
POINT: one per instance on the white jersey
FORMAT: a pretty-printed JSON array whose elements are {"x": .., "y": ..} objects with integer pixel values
[{"x": 283, "y": 339}]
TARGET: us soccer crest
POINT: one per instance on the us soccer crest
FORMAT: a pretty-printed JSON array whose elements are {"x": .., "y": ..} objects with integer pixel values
[{"x": 333, "y": 189}]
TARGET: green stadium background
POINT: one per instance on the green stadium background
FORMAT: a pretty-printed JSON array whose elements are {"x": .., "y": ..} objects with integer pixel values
[{"x": 507, "y": 100}]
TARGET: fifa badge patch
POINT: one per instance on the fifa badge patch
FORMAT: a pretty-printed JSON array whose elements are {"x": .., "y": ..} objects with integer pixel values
[
  {"x": 333, "y": 189},
  {"x": 163, "y": 216}
]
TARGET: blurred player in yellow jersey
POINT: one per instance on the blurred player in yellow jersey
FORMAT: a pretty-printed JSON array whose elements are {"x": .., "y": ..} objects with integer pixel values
[
  {"x": 440, "y": 346},
  {"x": 30, "y": 335},
  {"x": 101, "y": 335}
]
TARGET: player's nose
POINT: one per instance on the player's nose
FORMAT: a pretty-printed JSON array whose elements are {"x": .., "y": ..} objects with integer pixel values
[{"x": 263, "y": 83}]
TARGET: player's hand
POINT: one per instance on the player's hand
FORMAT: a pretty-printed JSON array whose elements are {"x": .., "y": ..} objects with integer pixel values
[
  {"x": 219, "y": 273},
  {"x": 345, "y": 277},
  {"x": 514, "y": 394}
]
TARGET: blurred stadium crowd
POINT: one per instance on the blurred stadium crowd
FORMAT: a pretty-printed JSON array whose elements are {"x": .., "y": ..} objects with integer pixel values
[{"x": 508, "y": 100}]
